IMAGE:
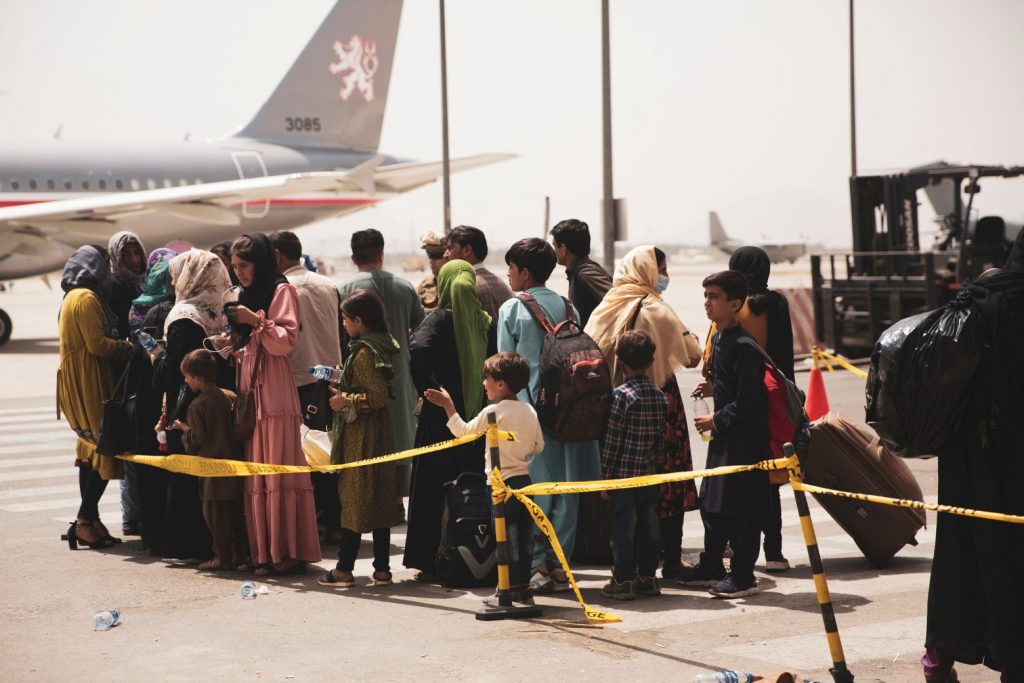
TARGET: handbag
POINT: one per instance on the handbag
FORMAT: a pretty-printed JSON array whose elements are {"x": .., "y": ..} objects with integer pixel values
[
  {"x": 317, "y": 414},
  {"x": 245, "y": 406},
  {"x": 117, "y": 431}
]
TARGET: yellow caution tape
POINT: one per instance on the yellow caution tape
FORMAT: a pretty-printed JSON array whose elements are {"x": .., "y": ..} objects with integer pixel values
[
  {"x": 913, "y": 504},
  {"x": 503, "y": 493},
  {"x": 199, "y": 466},
  {"x": 828, "y": 359}
]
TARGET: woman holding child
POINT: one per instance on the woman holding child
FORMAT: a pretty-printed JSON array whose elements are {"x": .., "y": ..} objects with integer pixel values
[
  {"x": 447, "y": 350},
  {"x": 279, "y": 510},
  {"x": 635, "y": 303},
  {"x": 362, "y": 430}
]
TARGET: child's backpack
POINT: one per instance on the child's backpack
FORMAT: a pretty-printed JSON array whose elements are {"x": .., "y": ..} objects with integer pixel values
[
  {"x": 575, "y": 384},
  {"x": 787, "y": 419},
  {"x": 467, "y": 554}
]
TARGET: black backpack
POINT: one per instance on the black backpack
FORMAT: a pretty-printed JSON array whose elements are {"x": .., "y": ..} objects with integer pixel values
[
  {"x": 575, "y": 384},
  {"x": 467, "y": 556}
]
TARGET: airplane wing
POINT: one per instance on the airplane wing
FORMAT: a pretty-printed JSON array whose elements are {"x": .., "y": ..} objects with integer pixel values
[{"x": 29, "y": 229}]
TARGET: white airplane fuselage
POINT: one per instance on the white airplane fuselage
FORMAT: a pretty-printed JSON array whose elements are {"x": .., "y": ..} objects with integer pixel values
[{"x": 56, "y": 169}]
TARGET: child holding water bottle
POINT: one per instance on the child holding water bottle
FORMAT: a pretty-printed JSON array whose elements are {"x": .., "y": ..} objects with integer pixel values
[{"x": 731, "y": 507}]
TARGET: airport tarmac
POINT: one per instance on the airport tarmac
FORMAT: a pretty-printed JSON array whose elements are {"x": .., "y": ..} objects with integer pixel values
[{"x": 178, "y": 623}]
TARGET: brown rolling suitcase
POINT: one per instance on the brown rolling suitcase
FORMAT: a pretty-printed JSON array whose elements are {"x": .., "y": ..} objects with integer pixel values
[{"x": 847, "y": 456}]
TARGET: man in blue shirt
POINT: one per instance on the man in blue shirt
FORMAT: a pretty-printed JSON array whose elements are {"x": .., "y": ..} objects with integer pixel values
[{"x": 530, "y": 263}]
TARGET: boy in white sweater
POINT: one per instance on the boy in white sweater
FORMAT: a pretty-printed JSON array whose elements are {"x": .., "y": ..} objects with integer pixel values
[{"x": 505, "y": 375}]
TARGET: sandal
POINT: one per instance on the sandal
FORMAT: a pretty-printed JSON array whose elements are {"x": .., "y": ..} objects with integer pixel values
[
  {"x": 214, "y": 565},
  {"x": 330, "y": 581},
  {"x": 104, "y": 541},
  {"x": 274, "y": 570},
  {"x": 385, "y": 580},
  {"x": 426, "y": 577}
]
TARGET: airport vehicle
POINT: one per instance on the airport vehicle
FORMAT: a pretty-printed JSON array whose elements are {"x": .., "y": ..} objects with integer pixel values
[
  {"x": 309, "y": 153},
  {"x": 777, "y": 252},
  {"x": 888, "y": 276}
]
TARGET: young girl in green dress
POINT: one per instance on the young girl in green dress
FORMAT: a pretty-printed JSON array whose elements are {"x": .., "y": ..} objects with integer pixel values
[{"x": 362, "y": 430}]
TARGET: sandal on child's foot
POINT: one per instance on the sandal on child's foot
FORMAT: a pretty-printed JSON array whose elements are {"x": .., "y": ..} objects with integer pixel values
[
  {"x": 381, "y": 579},
  {"x": 213, "y": 565},
  {"x": 330, "y": 579}
]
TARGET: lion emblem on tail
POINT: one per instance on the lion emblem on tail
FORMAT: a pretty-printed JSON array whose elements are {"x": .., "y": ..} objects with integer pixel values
[{"x": 357, "y": 60}]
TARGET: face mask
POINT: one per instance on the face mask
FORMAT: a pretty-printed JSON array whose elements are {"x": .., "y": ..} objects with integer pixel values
[{"x": 662, "y": 284}]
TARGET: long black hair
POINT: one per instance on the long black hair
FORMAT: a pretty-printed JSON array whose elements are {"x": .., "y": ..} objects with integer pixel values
[
  {"x": 368, "y": 307},
  {"x": 257, "y": 249}
]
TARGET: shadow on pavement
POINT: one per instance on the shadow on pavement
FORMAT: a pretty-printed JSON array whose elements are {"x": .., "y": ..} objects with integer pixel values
[{"x": 31, "y": 346}]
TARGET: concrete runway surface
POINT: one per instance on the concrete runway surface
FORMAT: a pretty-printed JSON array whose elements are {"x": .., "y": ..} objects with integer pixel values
[{"x": 178, "y": 623}]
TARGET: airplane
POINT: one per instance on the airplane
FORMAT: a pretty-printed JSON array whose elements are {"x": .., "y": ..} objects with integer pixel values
[
  {"x": 783, "y": 251},
  {"x": 309, "y": 153}
]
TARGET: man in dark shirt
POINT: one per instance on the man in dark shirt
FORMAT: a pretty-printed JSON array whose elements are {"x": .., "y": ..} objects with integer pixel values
[
  {"x": 588, "y": 281},
  {"x": 731, "y": 507}
]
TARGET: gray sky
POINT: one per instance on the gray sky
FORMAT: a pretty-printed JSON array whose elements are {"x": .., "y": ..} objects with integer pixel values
[{"x": 739, "y": 106}]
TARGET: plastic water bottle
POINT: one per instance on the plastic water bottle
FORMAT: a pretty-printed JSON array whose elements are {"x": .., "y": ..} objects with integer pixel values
[
  {"x": 325, "y": 373},
  {"x": 702, "y": 409},
  {"x": 106, "y": 620},
  {"x": 724, "y": 677},
  {"x": 147, "y": 341},
  {"x": 161, "y": 434},
  {"x": 248, "y": 590}
]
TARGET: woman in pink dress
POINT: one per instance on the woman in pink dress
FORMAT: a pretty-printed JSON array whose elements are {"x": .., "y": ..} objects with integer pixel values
[{"x": 279, "y": 509}]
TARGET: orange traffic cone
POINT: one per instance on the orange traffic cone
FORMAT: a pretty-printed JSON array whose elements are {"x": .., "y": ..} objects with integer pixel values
[{"x": 816, "y": 404}]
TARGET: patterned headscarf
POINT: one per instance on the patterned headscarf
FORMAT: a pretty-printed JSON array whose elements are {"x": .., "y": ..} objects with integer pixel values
[
  {"x": 157, "y": 288},
  {"x": 160, "y": 254},
  {"x": 89, "y": 268},
  {"x": 456, "y": 290},
  {"x": 116, "y": 248},
  {"x": 201, "y": 287}
]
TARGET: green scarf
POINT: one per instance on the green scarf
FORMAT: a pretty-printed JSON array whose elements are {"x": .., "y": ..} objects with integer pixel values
[
  {"x": 382, "y": 345},
  {"x": 456, "y": 290}
]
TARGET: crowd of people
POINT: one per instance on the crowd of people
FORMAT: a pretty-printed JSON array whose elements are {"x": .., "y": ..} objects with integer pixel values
[{"x": 238, "y": 327}]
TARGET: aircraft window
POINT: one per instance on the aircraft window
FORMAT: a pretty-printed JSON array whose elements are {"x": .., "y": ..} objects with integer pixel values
[
  {"x": 135, "y": 184},
  {"x": 119, "y": 184},
  {"x": 15, "y": 184},
  {"x": 103, "y": 184},
  {"x": 168, "y": 183},
  {"x": 150, "y": 183},
  {"x": 32, "y": 184},
  {"x": 50, "y": 185},
  {"x": 68, "y": 184},
  {"x": 85, "y": 184}
]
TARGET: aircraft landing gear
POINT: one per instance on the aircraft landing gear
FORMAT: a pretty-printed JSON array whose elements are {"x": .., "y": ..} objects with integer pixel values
[{"x": 5, "y": 327}]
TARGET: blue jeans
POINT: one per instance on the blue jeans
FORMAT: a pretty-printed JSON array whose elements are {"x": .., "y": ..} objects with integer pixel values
[{"x": 636, "y": 532}]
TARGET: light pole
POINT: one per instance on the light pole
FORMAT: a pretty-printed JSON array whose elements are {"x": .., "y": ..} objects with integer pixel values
[
  {"x": 444, "y": 128},
  {"x": 608, "y": 201}
]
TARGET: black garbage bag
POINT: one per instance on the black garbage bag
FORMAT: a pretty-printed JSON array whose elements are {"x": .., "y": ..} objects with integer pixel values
[{"x": 920, "y": 371}]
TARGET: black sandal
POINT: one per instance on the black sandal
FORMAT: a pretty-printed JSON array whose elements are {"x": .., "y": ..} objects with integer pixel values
[{"x": 72, "y": 538}]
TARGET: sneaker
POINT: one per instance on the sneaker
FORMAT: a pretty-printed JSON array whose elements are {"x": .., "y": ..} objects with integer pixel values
[
  {"x": 700, "y": 576},
  {"x": 541, "y": 583},
  {"x": 619, "y": 590},
  {"x": 646, "y": 585},
  {"x": 560, "y": 582},
  {"x": 522, "y": 595},
  {"x": 728, "y": 588},
  {"x": 671, "y": 571},
  {"x": 779, "y": 565}
]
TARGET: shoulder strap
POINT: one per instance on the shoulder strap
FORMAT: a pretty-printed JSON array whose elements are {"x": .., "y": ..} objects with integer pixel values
[
  {"x": 537, "y": 312},
  {"x": 636, "y": 313},
  {"x": 750, "y": 341},
  {"x": 569, "y": 315}
]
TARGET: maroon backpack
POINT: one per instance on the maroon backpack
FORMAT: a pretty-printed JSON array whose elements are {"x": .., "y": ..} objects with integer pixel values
[{"x": 575, "y": 383}]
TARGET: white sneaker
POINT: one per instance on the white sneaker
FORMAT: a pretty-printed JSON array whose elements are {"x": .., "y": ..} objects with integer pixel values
[{"x": 780, "y": 565}]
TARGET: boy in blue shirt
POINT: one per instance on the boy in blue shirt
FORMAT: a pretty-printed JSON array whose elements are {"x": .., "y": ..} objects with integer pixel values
[
  {"x": 530, "y": 263},
  {"x": 630, "y": 449}
]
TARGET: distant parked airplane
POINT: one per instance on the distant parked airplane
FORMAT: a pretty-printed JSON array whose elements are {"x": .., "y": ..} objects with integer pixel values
[
  {"x": 783, "y": 251},
  {"x": 310, "y": 153}
]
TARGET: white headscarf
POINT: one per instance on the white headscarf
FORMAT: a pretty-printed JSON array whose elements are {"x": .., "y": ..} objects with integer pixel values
[
  {"x": 116, "y": 247},
  {"x": 201, "y": 285},
  {"x": 636, "y": 278}
]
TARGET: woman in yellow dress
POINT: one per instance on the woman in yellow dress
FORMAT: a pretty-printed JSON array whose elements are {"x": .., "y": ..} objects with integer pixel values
[{"x": 89, "y": 347}]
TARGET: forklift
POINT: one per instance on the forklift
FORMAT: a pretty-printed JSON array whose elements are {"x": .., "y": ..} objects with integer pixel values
[{"x": 888, "y": 276}]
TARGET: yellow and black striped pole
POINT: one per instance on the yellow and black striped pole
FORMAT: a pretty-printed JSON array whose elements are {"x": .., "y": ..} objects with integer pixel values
[
  {"x": 840, "y": 674},
  {"x": 504, "y": 608}
]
